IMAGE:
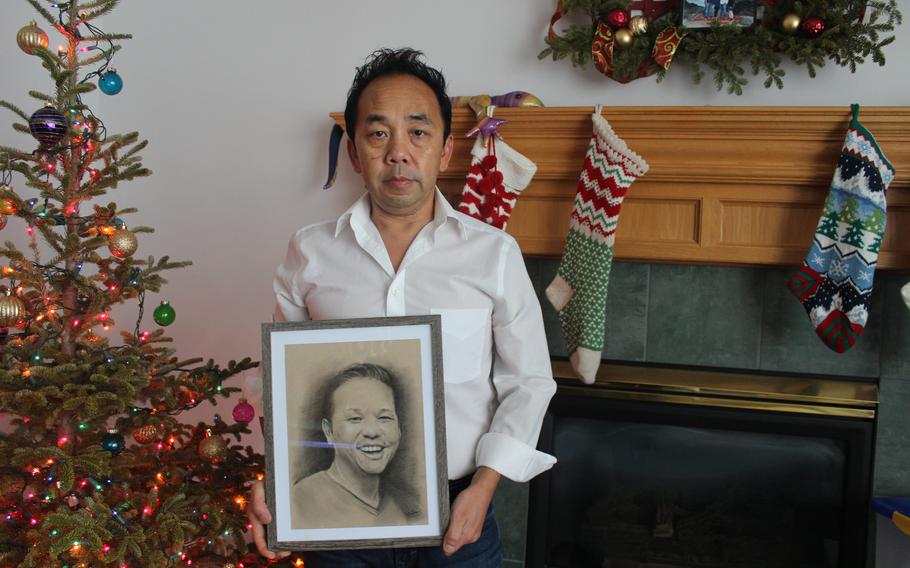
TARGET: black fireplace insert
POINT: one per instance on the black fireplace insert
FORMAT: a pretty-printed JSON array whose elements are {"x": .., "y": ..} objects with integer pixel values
[{"x": 647, "y": 480}]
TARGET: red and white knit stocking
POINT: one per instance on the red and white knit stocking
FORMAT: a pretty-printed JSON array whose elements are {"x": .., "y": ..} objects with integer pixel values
[{"x": 496, "y": 177}]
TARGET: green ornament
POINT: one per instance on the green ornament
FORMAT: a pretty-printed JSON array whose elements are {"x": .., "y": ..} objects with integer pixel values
[{"x": 164, "y": 314}]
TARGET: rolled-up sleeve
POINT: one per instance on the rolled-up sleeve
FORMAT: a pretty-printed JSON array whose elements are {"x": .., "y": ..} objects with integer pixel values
[
  {"x": 522, "y": 375},
  {"x": 289, "y": 286}
]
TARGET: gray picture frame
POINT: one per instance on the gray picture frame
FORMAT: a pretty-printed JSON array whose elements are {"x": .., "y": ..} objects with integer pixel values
[{"x": 296, "y": 359}]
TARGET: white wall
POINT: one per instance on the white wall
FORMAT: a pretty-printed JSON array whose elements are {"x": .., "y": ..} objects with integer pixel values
[{"x": 234, "y": 98}]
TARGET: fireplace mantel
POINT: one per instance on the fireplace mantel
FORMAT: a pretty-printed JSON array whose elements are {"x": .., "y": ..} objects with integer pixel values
[{"x": 728, "y": 185}]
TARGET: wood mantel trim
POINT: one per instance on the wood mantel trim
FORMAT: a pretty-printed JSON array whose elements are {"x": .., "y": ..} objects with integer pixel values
[{"x": 727, "y": 185}]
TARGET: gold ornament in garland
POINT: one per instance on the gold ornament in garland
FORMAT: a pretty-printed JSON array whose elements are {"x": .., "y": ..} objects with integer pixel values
[
  {"x": 844, "y": 32},
  {"x": 31, "y": 37},
  {"x": 623, "y": 37},
  {"x": 122, "y": 243},
  {"x": 638, "y": 25},
  {"x": 12, "y": 310},
  {"x": 790, "y": 23}
]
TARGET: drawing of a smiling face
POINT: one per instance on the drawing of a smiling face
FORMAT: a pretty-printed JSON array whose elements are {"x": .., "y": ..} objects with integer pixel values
[{"x": 364, "y": 426}]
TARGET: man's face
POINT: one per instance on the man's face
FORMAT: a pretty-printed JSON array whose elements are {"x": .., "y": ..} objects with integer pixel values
[
  {"x": 364, "y": 425},
  {"x": 398, "y": 145}
]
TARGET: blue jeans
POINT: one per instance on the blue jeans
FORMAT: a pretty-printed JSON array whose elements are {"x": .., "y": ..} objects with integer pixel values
[{"x": 485, "y": 553}]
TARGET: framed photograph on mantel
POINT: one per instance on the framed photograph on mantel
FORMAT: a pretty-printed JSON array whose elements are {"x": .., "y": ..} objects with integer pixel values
[
  {"x": 355, "y": 433},
  {"x": 706, "y": 13}
]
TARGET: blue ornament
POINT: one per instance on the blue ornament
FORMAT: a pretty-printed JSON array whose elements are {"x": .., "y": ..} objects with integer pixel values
[
  {"x": 48, "y": 125},
  {"x": 113, "y": 442},
  {"x": 110, "y": 83}
]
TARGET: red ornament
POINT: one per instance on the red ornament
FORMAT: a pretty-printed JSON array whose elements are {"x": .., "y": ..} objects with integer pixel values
[
  {"x": 147, "y": 434},
  {"x": 244, "y": 412},
  {"x": 617, "y": 18},
  {"x": 813, "y": 26}
]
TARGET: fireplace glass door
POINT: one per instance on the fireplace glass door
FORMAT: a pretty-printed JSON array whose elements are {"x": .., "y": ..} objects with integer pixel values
[{"x": 651, "y": 485}]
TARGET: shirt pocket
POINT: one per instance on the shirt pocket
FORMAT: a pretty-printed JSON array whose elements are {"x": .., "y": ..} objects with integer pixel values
[{"x": 465, "y": 340}]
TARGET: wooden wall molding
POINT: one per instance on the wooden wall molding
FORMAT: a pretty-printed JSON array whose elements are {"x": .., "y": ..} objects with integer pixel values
[{"x": 727, "y": 185}]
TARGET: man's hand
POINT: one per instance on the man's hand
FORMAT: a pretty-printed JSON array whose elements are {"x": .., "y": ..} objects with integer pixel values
[
  {"x": 258, "y": 514},
  {"x": 469, "y": 511}
]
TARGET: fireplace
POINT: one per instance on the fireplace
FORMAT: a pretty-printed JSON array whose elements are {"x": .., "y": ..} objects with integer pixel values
[{"x": 680, "y": 468}]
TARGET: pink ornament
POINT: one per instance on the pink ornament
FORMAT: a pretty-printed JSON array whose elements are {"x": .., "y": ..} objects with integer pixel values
[
  {"x": 813, "y": 27},
  {"x": 244, "y": 412},
  {"x": 617, "y": 18}
]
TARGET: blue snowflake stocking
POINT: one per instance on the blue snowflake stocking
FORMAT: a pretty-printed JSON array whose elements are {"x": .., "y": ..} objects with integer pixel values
[{"x": 834, "y": 283}]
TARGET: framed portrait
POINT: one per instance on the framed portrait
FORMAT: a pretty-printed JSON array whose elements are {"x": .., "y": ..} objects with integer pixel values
[
  {"x": 355, "y": 433},
  {"x": 706, "y": 13}
]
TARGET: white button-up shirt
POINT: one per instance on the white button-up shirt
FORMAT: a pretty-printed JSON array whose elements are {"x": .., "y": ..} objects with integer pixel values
[{"x": 496, "y": 364}]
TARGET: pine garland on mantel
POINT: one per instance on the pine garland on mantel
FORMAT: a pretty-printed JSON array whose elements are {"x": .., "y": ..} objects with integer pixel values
[{"x": 850, "y": 32}]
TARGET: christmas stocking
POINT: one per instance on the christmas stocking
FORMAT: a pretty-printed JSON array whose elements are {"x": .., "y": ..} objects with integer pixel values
[
  {"x": 496, "y": 177},
  {"x": 835, "y": 281},
  {"x": 579, "y": 291}
]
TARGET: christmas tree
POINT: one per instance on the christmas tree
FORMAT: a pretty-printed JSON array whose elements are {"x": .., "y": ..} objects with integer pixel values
[{"x": 95, "y": 467}]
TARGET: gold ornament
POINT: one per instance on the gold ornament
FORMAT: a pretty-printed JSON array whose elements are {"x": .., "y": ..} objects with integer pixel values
[
  {"x": 147, "y": 434},
  {"x": 212, "y": 447},
  {"x": 12, "y": 309},
  {"x": 638, "y": 25},
  {"x": 790, "y": 23},
  {"x": 623, "y": 37},
  {"x": 31, "y": 37},
  {"x": 122, "y": 243}
]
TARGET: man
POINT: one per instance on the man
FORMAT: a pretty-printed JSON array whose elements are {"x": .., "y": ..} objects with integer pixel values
[
  {"x": 403, "y": 250},
  {"x": 360, "y": 422}
]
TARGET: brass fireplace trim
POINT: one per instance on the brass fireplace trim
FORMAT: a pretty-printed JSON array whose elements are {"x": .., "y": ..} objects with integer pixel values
[{"x": 799, "y": 395}]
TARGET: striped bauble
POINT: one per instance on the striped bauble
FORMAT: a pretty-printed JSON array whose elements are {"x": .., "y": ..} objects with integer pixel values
[{"x": 48, "y": 125}]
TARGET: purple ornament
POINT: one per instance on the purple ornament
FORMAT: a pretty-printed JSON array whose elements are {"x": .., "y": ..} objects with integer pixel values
[{"x": 487, "y": 127}]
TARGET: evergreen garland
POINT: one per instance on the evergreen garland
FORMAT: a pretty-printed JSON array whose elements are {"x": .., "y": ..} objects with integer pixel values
[{"x": 727, "y": 51}]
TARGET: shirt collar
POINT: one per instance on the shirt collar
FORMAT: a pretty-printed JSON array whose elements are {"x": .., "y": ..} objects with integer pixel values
[{"x": 358, "y": 215}]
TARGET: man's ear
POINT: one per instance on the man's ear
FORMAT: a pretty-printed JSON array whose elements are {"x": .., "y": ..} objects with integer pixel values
[
  {"x": 327, "y": 430},
  {"x": 355, "y": 159},
  {"x": 448, "y": 148}
]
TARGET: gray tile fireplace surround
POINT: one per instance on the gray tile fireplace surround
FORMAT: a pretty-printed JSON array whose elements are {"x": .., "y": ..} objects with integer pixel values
[{"x": 738, "y": 318}]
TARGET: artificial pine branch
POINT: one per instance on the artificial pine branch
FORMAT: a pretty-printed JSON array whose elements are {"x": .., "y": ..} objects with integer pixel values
[
  {"x": 16, "y": 110},
  {"x": 104, "y": 8},
  {"x": 44, "y": 13},
  {"x": 108, "y": 37}
]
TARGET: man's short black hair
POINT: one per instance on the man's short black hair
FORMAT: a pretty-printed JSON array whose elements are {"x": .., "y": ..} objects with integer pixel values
[
  {"x": 405, "y": 61},
  {"x": 358, "y": 371}
]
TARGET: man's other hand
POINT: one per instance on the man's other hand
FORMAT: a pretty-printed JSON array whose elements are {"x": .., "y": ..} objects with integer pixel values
[
  {"x": 469, "y": 511},
  {"x": 258, "y": 514}
]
